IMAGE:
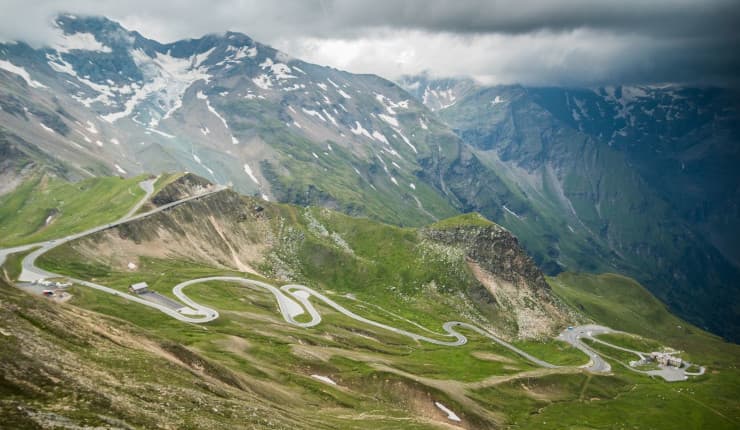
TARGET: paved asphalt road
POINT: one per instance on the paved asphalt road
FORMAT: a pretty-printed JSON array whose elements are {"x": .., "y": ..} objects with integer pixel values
[
  {"x": 147, "y": 186},
  {"x": 293, "y": 300},
  {"x": 32, "y": 273},
  {"x": 573, "y": 336}
]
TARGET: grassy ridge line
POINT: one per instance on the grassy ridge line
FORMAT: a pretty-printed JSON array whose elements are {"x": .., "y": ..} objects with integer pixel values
[
  {"x": 72, "y": 206},
  {"x": 633, "y": 342},
  {"x": 162, "y": 181},
  {"x": 473, "y": 219}
]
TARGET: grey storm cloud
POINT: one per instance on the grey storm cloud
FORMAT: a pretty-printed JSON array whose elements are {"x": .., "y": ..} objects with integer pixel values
[{"x": 567, "y": 42}]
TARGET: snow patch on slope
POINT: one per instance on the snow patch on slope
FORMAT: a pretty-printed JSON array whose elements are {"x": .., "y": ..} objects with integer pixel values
[
  {"x": 406, "y": 140},
  {"x": 161, "y": 133},
  {"x": 443, "y": 98},
  {"x": 106, "y": 93},
  {"x": 380, "y": 137},
  {"x": 359, "y": 130},
  {"x": 279, "y": 70},
  {"x": 20, "y": 71},
  {"x": 211, "y": 109},
  {"x": 78, "y": 41},
  {"x": 49, "y": 129},
  {"x": 263, "y": 81},
  {"x": 242, "y": 52},
  {"x": 331, "y": 118},
  {"x": 313, "y": 113},
  {"x": 511, "y": 212},
  {"x": 332, "y": 83},
  {"x": 324, "y": 379},
  {"x": 167, "y": 79},
  {"x": 450, "y": 415},
  {"x": 248, "y": 171},
  {"x": 389, "y": 119},
  {"x": 91, "y": 128}
]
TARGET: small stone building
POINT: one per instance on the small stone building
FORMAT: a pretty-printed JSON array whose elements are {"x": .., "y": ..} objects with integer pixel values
[{"x": 139, "y": 288}]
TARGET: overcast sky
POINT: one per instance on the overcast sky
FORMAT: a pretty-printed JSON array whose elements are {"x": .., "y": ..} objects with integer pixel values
[{"x": 540, "y": 42}]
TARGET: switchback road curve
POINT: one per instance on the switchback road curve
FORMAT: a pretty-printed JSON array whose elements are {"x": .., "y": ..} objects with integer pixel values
[{"x": 293, "y": 300}]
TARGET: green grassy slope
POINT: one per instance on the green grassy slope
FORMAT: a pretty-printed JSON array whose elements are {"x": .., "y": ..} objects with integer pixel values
[
  {"x": 622, "y": 303},
  {"x": 63, "y": 367},
  {"x": 251, "y": 360},
  {"x": 276, "y": 360},
  {"x": 72, "y": 206},
  {"x": 708, "y": 401},
  {"x": 469, "y": 219},
  {"x": 332, "y": 181},
  {"x": 354, "y": 355}
]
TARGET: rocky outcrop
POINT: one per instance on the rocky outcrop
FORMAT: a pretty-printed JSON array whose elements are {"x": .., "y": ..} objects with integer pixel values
[
  {"x": 496, "y": 250},
  {"x": 518, "y": 288}
]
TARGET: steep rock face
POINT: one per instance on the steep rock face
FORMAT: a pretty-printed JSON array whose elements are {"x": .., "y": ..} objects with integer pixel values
[
  {"x": 495, "y": 250},
  {"x": 12, "y": 163},
  {"x": 509, "y": 275},
  {"x": 683, "y": 141}
]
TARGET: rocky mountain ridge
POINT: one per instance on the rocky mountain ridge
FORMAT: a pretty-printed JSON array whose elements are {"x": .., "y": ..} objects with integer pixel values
[
  {"x": 104, "y": 100},
  {"x": 636, "y": 180}
]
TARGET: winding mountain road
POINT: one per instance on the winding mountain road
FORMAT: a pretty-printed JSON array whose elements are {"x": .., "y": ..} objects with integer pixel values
[
  {"x": 147, "y": 186},
  {"x": 293, "y": 300},
  {"x": 32, "y": 273},
  {"x": 574, "y": 335}
]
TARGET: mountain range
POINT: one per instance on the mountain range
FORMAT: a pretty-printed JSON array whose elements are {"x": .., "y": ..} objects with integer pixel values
[{"x": 638, "y": 180}]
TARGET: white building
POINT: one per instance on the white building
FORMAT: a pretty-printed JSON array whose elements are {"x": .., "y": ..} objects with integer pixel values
[{"x": 665, "y": 359}]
